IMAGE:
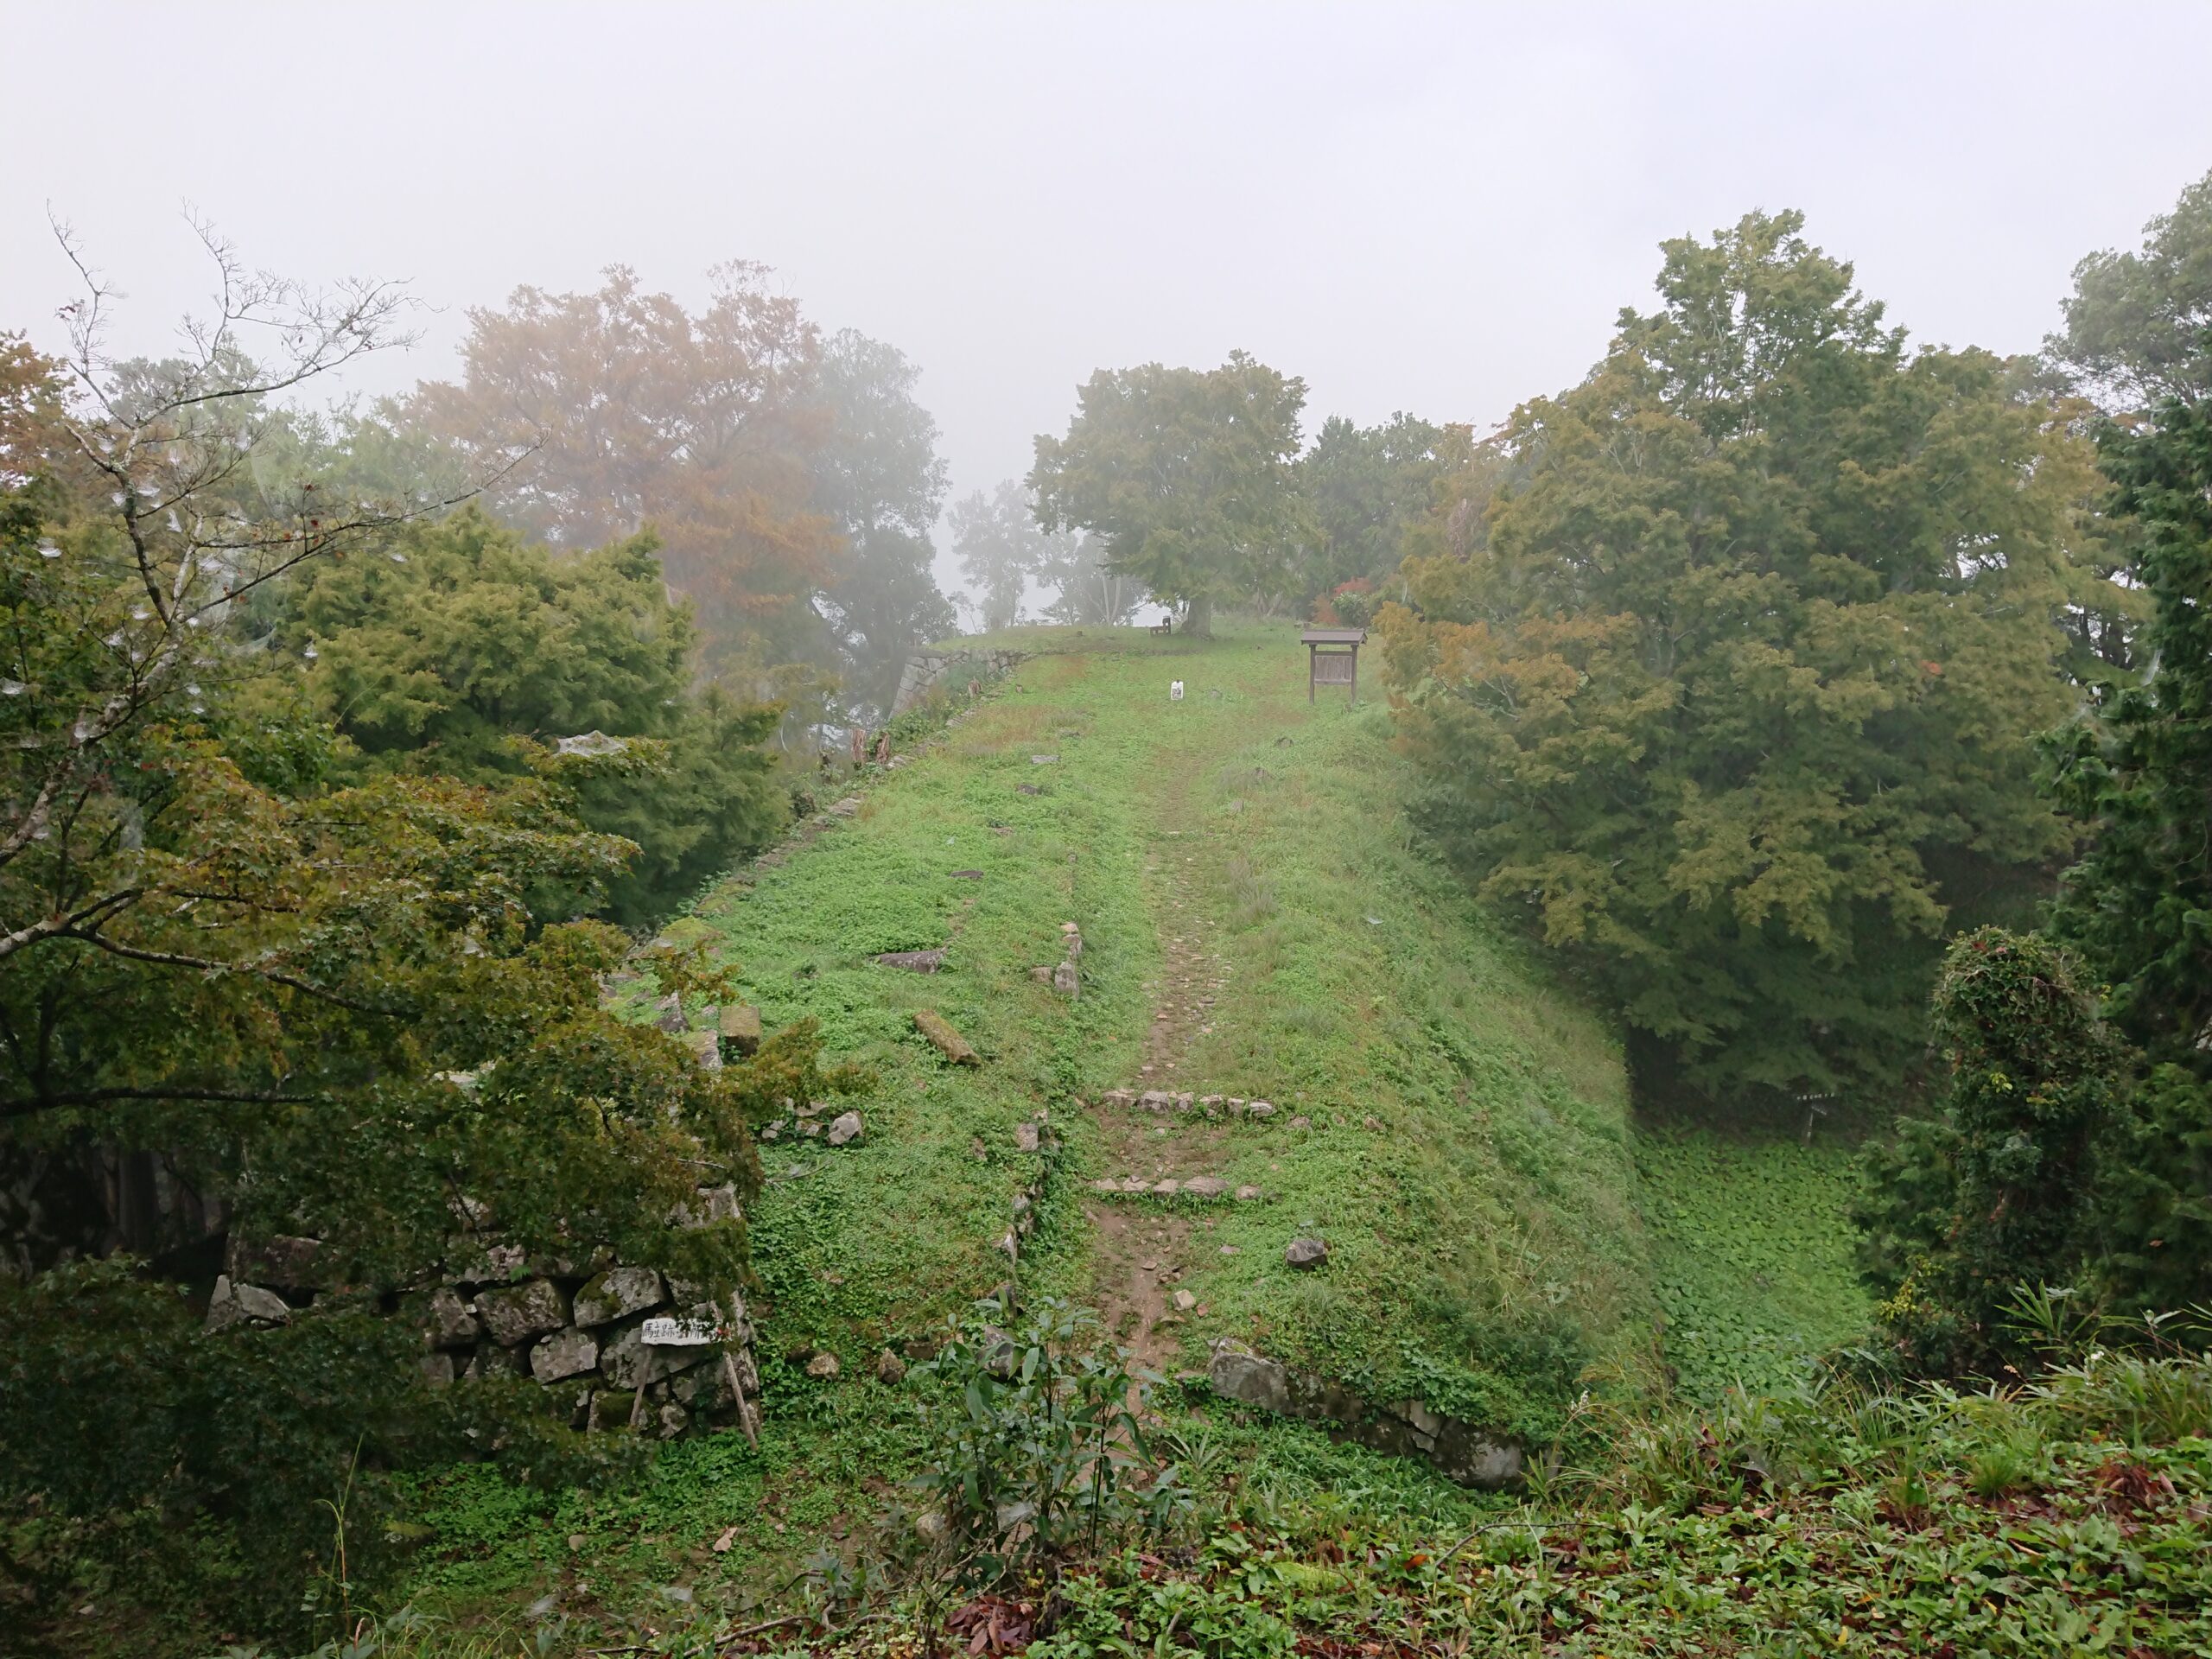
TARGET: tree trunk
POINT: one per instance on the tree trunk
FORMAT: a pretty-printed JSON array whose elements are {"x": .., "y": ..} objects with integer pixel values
[{"x": 1197, "y": 616}]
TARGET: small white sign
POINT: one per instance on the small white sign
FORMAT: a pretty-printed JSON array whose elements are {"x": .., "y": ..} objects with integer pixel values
[{"x": 680, "y": 1333}]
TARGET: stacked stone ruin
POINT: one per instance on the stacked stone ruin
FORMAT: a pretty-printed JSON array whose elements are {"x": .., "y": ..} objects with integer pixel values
[{"x": 624, "y": 1347}]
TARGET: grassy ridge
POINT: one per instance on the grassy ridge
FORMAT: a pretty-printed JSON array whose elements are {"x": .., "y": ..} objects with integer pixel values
[{"x": 1465, "y": 1152}]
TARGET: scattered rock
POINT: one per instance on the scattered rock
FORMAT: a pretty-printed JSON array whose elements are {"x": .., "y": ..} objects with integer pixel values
[
  {"x": 1065, "y": 981},
  {"x": 1166, "y": 1189},
  {"x": 890, "y": 1369},
  {"x": 617, "y": 1293},
  {"x": 740, "y": 1028},
  {"x": 1000, "y": 1356},
  {"x": 1230, "y": 1249},
  {"x": 967, "y": 875},
  {"x": 1044, "y": 759},
  {"x": 1117, "y": 1097},
  {"x": 526, "y": 1311},
  {"x": 237, "y": 1304},
  {"x": 1185, "y": 1301},
  {"x": 1301, "y": 1122},
  {"x": 845, "y": 1128},
  {"x": 1371, "y": 1124},
  {"x": 705, "y": 1049},
  {"x": 1206, "y": 1186},
  {"x": 1259, "y": 1108},
  {"x": 437, "y": 1370},
  {"x": 1247, "y": 1194},
  {"x": 947, "y": 1041},
  {"x": 1025, "y": 1137},
  {"x": 822, "y": 1367},
  {"x": 846, "y": 808},
  {"x": 568, "y": 1352},
  {"x": 1042, "y": 976},
  {"x": 668, "y": 1013},
  {"x": 919, "y": 962},
  {"x": 1306, "y": 1254},
  {"x": 1027, "y": 788}
]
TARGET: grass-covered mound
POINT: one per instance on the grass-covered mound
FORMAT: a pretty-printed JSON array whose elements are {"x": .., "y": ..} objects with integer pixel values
[
  {"x": 1257, "y": 921},
  {"x": 1463, "y": 1148}
]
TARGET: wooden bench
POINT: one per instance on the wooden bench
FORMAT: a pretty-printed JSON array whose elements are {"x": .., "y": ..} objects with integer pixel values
[{"x": 1167, "y": 627}]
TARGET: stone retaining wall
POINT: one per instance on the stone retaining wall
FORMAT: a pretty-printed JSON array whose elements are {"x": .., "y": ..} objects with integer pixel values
[
  {"x": 1405, "y": 1428},
  {"x": 584, "y": 1327}
]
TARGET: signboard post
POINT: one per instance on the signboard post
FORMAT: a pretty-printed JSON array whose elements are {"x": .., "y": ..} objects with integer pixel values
[{"x": 1332, "y": 658}]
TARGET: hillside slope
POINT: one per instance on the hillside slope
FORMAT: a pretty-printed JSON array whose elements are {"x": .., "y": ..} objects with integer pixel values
[{"x": 1255, "y": 924}]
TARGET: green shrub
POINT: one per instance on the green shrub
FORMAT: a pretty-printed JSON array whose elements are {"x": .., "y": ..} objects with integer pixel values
[
  {"x": 238, "y": 1480},
  {"x": 1038, "y": 1447}
]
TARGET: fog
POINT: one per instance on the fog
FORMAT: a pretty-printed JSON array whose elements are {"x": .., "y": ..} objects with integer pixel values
[{"x": 1434, "y": 209}]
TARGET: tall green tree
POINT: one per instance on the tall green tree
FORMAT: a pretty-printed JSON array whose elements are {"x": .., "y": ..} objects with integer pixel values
[
  {"x": 1189, "y": 476},
  {"x": 1731, "y": 683},
  {"x": 1365, "y": 487},
  {"x": 452, "y": 638},
  {"x": 1001, "y": 546},
  {"x": 2136, "y": 768},
  {"x": 879, "y": 476},
  {"x": 2139, "y": 323}
]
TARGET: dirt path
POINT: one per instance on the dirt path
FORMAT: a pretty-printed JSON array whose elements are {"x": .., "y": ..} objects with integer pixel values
[{"x": 1144, "y": 1247}]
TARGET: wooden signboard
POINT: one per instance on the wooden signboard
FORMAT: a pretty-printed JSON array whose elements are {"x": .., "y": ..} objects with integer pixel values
[{"x": 1332, "y": 658}]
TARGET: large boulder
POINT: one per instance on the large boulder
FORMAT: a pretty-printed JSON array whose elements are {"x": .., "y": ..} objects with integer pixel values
[
  {"x": 1306, "y": 1254},
  {"x": 524, "y": 1311},
  {"x": 568, "y": 1352},
  {"x": 449, "y": 1320},
  {"x": 236, "y": 1304},
  {"x": 618, "y": 1293},
  {"x": 1236, "y": 1373},
  {"x": 278, "y": 1261},
  {"x": 845, "y": 1128},
  {"x": 628, "y": 1362}
]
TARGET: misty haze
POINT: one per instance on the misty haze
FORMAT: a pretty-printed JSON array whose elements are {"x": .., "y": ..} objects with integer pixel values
[{"x": 1224, "y": 831}]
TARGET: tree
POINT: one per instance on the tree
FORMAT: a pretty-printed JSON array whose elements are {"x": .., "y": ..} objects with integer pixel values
[
  {"x": 1731, "y": 679},
  {"x": 881, "y": 479},
  {"x": 2136, "y": 768},
  {"x": 1001, "y": 546},
  {"x": 341, "y": 1011},
  {"x": 1998, "y": 1194},
  {"x": 2139, "y": 325},
  {"x": 451, "y": 640},
  {"x": 1087, "y": 593},
  {"x": 1365, "y": 487},
  {"x": 624, "y": 409},
  {"x": 1188, "y": 475}
]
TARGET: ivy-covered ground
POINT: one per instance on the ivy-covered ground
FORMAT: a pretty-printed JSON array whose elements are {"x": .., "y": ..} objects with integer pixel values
[{"x": 1750, "y": 1253}]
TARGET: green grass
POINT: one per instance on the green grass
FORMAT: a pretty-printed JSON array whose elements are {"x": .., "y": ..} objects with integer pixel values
[
  {"x": 1467, "y": 1158},
  {"x": 1751, "y": 1254}
]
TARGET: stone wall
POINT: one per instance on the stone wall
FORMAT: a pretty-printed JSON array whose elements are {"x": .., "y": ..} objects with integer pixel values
[
  {"x": 1405, "y": 1428},
  {"x": 624, "y": 1347},
  {"x": 926, "y": 669}
]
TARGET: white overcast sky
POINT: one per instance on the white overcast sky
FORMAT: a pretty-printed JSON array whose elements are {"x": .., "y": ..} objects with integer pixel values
[{"x": 1435, "y": 208}]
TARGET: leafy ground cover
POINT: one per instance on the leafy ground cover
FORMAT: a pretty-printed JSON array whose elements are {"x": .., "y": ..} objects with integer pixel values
[{"x": 1752, "y": 1248}]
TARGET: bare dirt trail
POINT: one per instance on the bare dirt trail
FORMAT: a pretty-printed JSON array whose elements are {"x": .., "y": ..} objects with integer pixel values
[{"x": 1144, "y": 1248}]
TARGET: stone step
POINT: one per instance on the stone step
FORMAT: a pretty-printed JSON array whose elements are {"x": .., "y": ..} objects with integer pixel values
[
  {"x": 1163, "y": 1101},
  {"x": 1210, "y": 1188}
]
